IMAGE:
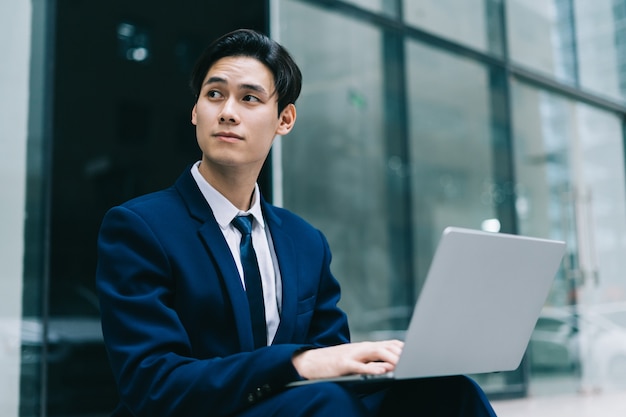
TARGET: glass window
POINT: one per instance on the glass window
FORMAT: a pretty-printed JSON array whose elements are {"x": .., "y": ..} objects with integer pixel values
[
  {"x": 334, "y": 160},
  {"x": 440, "y": 150},
  {"x": 373, "y": 5},
  {"x": 541, "y": 37},
  {"x": 13, "y": 121},
  {"x": 601, "y": 46},
  {"x": 346, "y": 165},
  {"x": 452, "y": 175},
  {"x": 578, "y": 42},
  {"x": 455, "y": 153},
  {"x": 465, "y": 21},
  {"x": 569, "y": 166}
]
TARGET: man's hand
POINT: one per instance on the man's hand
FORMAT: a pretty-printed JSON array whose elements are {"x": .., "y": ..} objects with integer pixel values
[{"x": 351, "y": 358}]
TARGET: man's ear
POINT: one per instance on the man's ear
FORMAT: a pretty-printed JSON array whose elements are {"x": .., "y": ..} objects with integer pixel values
[
  {"x": 286, "y": 120},
  {"x": 194, "y": 120}
]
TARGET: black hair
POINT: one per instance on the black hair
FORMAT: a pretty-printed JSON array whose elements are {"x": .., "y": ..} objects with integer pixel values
[{"x": 248, "y": 43}]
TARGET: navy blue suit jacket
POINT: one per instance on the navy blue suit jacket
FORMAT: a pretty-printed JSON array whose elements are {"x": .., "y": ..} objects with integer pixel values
[{"x": 174, "y": 314}]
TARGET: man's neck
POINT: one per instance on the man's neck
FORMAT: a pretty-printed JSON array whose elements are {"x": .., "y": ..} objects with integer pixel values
[{"x": 235, "y": 184}]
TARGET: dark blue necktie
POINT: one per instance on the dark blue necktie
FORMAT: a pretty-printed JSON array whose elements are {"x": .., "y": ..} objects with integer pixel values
[{"x": 252, "y": 278}]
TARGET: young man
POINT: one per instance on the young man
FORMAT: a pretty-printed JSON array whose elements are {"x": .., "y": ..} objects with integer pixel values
[{"x": 188, "y": 330}]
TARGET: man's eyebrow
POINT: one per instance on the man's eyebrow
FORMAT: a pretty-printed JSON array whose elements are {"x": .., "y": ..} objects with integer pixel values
[
  {"x": 254, "y": 87},
  {"x": 212, "y": 80}
]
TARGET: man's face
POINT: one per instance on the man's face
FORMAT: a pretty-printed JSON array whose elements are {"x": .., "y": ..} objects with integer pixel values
[{"x": 236, "y": 114}]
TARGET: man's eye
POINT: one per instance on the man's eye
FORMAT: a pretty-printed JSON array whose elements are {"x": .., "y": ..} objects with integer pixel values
[
  {"x": 214, "y": 94},
  {"x": 250, "y": 98}
]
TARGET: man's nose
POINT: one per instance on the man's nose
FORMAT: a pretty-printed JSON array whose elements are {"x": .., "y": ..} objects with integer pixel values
[{"x": 229, "y": 113}]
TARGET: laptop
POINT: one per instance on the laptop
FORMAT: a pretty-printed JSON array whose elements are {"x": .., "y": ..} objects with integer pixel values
[{"x": 478, "y": 306}]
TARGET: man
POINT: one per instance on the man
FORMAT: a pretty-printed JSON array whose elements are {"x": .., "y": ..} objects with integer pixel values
[{"x": 185, "y": 332}]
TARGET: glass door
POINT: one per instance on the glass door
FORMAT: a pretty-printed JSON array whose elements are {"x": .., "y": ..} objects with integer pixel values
[{"x": 569, "y": 170}]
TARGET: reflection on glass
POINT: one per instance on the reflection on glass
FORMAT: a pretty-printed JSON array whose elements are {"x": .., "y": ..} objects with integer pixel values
[
  {"x": 569, "y": 169},
  {"x": 491, "y": 225},
  {"x": 133, "y": 42}
]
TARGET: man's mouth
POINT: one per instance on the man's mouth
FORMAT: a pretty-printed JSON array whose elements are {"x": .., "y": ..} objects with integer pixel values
[{"x": 228, "y": 135}]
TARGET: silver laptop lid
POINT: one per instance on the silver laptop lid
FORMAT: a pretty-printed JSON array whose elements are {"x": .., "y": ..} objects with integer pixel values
[{"x": 479, "y": 304}]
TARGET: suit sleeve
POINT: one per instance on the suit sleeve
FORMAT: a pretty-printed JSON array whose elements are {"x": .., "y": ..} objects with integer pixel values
[{"x": 149, "y": 348}]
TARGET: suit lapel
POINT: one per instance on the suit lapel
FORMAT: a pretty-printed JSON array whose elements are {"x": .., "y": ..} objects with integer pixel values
[
  {"x": 218, "y": 250},
  {"x": 285, "y": 253},
  {"x": 213, "y": 238}
]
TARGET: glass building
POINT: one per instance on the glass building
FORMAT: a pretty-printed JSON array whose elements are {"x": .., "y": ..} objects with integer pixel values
[{"x": 502, "y": 115}]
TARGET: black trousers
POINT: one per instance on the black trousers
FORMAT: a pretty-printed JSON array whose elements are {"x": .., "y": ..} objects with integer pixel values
[{"x": 457, "y": 396}]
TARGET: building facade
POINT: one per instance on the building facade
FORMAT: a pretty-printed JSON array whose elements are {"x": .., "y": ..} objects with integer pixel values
[{"x": 502, "y": 115}]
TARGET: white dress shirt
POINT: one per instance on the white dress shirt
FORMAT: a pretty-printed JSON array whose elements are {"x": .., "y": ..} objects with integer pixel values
[{"x": 224, "y": 212}]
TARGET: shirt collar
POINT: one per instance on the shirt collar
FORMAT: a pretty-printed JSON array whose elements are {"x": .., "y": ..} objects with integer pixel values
[{"x": 223, "y": 210}]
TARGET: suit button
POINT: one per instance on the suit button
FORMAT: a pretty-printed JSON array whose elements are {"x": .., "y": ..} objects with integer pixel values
[
  {"x": 259, "y": 393},
  {"x": 251, "y": 398},
  {"x": 266, "y": 389}
]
